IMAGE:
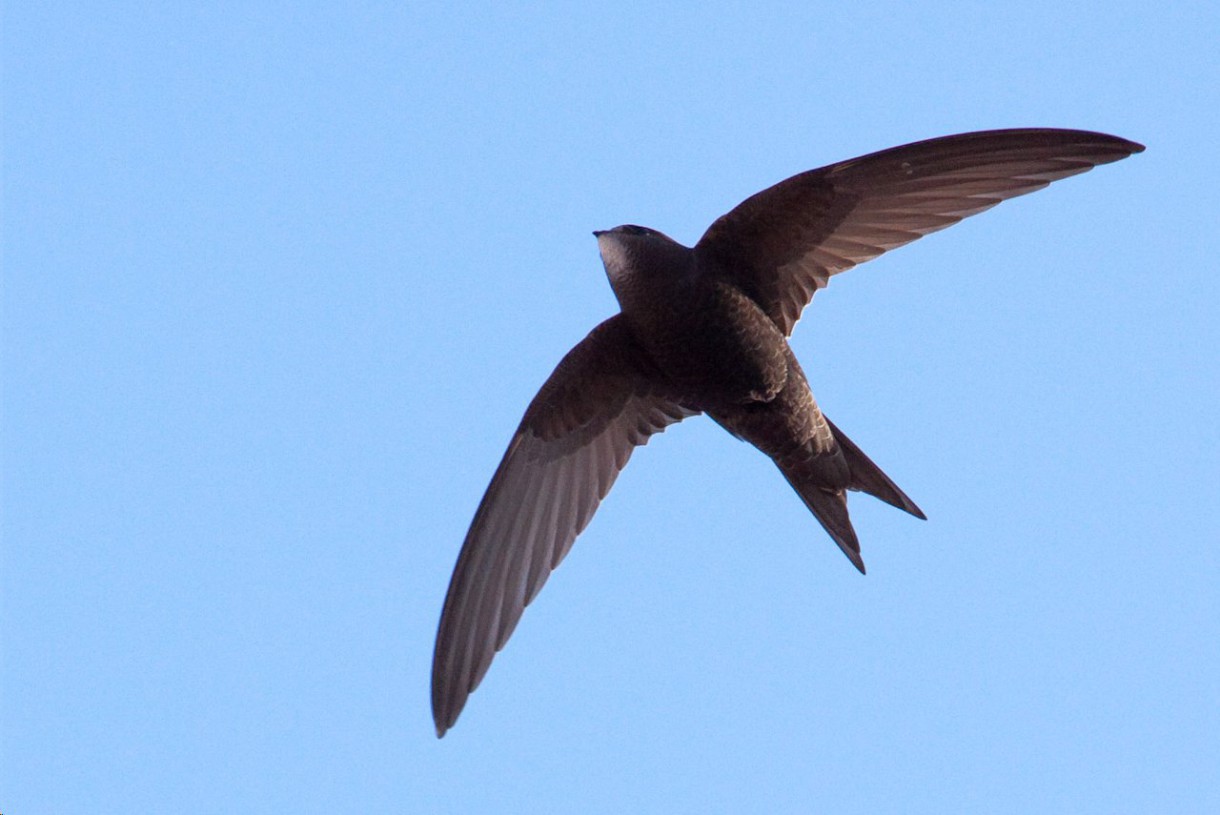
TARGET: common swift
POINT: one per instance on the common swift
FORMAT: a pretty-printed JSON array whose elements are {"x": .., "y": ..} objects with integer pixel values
[{"x": 704, "y": 330}]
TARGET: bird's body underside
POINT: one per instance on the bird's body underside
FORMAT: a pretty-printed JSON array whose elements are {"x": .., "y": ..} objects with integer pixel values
[{"x": 704, "y": 330}]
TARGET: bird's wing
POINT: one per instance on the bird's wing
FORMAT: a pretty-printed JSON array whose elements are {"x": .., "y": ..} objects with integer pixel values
[
  {"x": 603, "y": 400},
  {"x": 783, "y": 244}
]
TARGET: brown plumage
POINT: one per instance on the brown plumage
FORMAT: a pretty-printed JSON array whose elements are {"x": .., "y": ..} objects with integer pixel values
[{"x": 704, "y": 330}]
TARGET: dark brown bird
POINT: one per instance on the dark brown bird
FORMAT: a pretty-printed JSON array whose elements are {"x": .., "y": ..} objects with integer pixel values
[{"x": 704, "y": 330}]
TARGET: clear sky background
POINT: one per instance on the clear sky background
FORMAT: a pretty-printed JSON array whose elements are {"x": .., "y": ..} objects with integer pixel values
[{"x": 279, "y": 280}]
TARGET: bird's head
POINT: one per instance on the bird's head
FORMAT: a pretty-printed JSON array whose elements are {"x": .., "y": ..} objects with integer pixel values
[{"x": 635, "y": 256}]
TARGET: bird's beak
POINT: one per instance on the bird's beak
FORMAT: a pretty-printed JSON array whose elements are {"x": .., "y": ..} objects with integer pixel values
[{"x": 597, "y": 233}]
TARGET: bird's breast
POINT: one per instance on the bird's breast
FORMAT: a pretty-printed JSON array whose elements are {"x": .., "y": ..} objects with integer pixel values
[{"x": 714, "y": 342}]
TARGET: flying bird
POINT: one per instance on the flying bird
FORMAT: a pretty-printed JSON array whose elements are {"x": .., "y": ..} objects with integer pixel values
[{"x": 705, "y": 330}]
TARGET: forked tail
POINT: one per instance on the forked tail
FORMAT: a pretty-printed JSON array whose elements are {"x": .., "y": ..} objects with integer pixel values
[{"x": 829, "y": 505}]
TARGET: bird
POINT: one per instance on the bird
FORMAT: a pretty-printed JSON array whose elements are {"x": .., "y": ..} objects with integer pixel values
[{"x": 704, "y": 330}]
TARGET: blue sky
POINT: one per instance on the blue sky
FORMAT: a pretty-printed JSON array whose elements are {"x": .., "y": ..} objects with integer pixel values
[{"x": 279, "y": 280}]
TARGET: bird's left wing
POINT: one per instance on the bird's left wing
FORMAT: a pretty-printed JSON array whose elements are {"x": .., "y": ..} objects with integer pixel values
[
  {"x": 603, "y": 400},
  {"x": 783, "y": 244}
]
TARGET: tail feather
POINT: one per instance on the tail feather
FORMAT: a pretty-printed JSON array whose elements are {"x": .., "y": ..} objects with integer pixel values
[
  {"x": 867, "y": 476},
  {"x": 817, "y": 487},
  {"x": 829, "y": 507}
]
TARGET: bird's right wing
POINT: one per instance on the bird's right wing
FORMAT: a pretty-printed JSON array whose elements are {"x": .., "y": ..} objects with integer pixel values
[
  {"x": 603, "y": 400},
  {"x": 784, "y": 243}
]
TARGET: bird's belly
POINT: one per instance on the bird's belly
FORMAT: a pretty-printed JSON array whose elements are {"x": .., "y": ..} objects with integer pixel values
[{"x": 722, "y": 349}]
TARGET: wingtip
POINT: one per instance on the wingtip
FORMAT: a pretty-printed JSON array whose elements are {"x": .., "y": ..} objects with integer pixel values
[
  {"x": 442, "y": 726},
  {"x": 442, "y": 716},
  {"x": 1129, "y": 145}
]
